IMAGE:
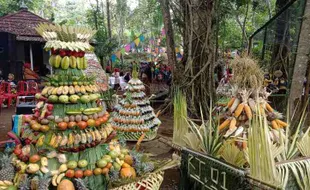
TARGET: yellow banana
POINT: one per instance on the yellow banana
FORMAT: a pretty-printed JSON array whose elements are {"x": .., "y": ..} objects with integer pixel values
[
  {"x": 54, "y": 92},
  {"x": 71, "y": 139},
  {"x": 54, "y": 180},
  {"x": 59, "y": 178},
  {"x": 45, "y": 90},
  {"x": 53, "y": 138},
  {"x": 40, "y": 141}
]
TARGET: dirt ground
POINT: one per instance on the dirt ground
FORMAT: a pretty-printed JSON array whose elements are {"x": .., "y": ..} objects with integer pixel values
[{"x": 157, "y": 148}]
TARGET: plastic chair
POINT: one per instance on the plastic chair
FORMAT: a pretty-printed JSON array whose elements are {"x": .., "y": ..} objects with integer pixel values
[
  {"x": 22, "y": 88},
  {"x": 33, "y": 87},
  {"x": 6, "y": 90}
]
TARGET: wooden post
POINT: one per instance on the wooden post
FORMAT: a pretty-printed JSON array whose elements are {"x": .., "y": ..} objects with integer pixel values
[{"x": 31, "y": 56}]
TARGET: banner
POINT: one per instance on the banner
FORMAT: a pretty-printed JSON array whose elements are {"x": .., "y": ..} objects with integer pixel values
[
  {"x": 127, "y": 47},
  {"x": 142, "y": 38}
]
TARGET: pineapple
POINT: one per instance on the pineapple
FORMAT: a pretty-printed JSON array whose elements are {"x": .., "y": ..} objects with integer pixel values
[
  {"x": 44, "y": 182},
  {"x": 24, "y": 184},
  {"x": 148, "y": 167},
  {"x": 7, "y": 171},
  {"x": 80, "y": 184},
  {"x": 114, "y": 175}
]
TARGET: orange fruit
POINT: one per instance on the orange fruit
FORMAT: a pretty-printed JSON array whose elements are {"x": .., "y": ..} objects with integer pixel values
[
  {"x": 82, "y": 124},
  {"x": 97, "y": 171},
  {"x": 88, "y": 173},
  {"x": 97, "y": 123},
  {"x": 62, "y": 126},
  {"x": 105, "y": 170},
  {"x": 128, "y": 159},
  {"x": 72, "y": 124},
  {"x": 78, "y": 174},
  {"x": 125, "y": 165},
  {"x": 109, "y": 165},
  {"x": 91, "y": 122}
]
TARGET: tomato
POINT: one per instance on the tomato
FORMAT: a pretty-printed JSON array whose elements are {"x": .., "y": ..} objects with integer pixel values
[
  {"x": 72, "y": 124},
  {"x": 104, "y": 119},
  {"x": 70, "y": 173},
  {"x": 97, "y": 123},
  {"x": 62, "y": 126},
  {"x": 91, "y": 122},
  {"x": 78, "y": 174},
  {"x": 82, "y": 124},
  {"x": 88, "y": 173}
]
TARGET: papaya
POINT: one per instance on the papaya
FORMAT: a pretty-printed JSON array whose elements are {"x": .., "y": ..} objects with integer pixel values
[
  {"x": 79, "y": 63},
  {"x": 65, "y": 62},
  {"x": 72, "y": 62},
  {"x": 57, "y": 61},
  {"x": 52, "y": 60},
  {"x": 85, "y": 63}
]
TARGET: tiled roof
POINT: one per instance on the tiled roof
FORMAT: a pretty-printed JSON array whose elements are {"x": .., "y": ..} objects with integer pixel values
[{"x": 22, "y": 24}]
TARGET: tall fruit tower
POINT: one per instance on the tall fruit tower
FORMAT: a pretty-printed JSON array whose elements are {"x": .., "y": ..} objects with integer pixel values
[
  {"x": 67, "y": 138},
  {"x": 134, "y": 116}
]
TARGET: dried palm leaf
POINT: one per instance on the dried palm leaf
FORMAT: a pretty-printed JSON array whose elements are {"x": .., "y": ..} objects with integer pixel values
[
  {"x": 303, "y": 144},
  {"x": 232, "y": 154}
]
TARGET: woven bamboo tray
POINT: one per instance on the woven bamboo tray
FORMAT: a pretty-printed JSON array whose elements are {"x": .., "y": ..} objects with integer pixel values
[
  {"x": 134, "y": 136},
  {"x": 150, "y": 182}
]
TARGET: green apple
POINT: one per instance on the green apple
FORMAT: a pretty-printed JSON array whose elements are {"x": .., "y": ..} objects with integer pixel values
[
  {"x": 82, "y": 163},
  {"x": 64, "y": 99},
  {"x": 101, "y": 163},
  {"x": 72, "y": 164},
  {"x": 53, "y": 98},
  {"x": 107, "y": 158},
  {"x": 113, "y": 154},
  {"x": 74, "y": 98},
  {"x": 85, "y": 99},
  {"x": 117, "y": 166}
]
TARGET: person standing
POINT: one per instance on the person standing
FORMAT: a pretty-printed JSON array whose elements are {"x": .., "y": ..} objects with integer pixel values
[{"x": 116, "y": 75}]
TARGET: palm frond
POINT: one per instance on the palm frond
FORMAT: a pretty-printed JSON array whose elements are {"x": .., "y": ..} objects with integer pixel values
[
  {"x": 303, "y": 144},
  {"x": 232, "y": 154}
]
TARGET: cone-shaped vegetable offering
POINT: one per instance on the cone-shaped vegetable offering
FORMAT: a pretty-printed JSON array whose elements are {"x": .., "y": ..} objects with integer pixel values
[
  {"x": 134, "y": 115},
  {"x": 68, "y": 136},
  {"x": 248, "y": 97}
]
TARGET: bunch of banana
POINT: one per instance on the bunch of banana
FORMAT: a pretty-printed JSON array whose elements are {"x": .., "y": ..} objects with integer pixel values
[
  {"x": 83, "y": 138},
  {"x": 71, "y": 90},
  {"x": 46, "y": 90},
  {"x": 82, "y": 90},
  {"x": 77, "y": 89},
  {"x": 93, "y": 135},
  {"x": 70, "y": 139},
  {"x": 57, "y": 141},
  {"x": 77, "y": 139},
  {"x": 57, "y": 179},
  {"x": 103, "y": 133},
  {"x": 64, "y": 141},
  {"x": 89, "y": 137},
  {"x": 53, "y": 140},
  {"x": 97, "y": 134},
  {"x": 40, "y": 140},
  {"x": 5, "y": 184}
]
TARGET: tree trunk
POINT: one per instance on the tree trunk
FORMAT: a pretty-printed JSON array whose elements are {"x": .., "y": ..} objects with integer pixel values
[
  {"x": 198, "y": 54},
  {"x": 302, "y": 60},
  {"x": 169, "y": 37},
  {"x": 109, "y": 19},
  {"x": 282, "y": 39}
]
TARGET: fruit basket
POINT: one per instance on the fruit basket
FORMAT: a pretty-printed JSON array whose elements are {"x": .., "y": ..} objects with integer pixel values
[{"x": 151, "y": 181}]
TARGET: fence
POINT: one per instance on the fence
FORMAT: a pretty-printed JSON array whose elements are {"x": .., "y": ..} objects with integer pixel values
[{"x": 275, "y": 46}]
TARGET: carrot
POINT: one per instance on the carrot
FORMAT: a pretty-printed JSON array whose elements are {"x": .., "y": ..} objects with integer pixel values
[
  {"x": 281, "y": 123},
  {"x": 224, "y": 124},
  {"x": 274, "y": 124},
  {"x": 232, "y": 124},
  {"x": 239, "y": 110},
  {"x": 231, "y": 101},
  {"x": 268, "y": 107},
  {"x": 248, "y": 111}
]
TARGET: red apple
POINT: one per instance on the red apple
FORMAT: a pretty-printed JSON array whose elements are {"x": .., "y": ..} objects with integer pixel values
[
  {"x": 17, "y": 151},
  {"x": 54, "y": 52},
  {"x": 62, "y": 53}
]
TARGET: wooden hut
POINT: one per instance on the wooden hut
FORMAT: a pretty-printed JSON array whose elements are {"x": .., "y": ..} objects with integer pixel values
[{"x": 20, "y": 43}]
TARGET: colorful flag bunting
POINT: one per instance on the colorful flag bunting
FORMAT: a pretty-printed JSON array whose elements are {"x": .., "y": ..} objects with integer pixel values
[
  {"x": 141, "y": 38},
  {"x": 118, "y": 54},
  {"x": 127, "y": 47},
  {"x": 132, "y": 45},
  {"x": 113, "y": 58},
  {"x": 137, "y": 41},
  {"x": 123, "y": 50}
]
